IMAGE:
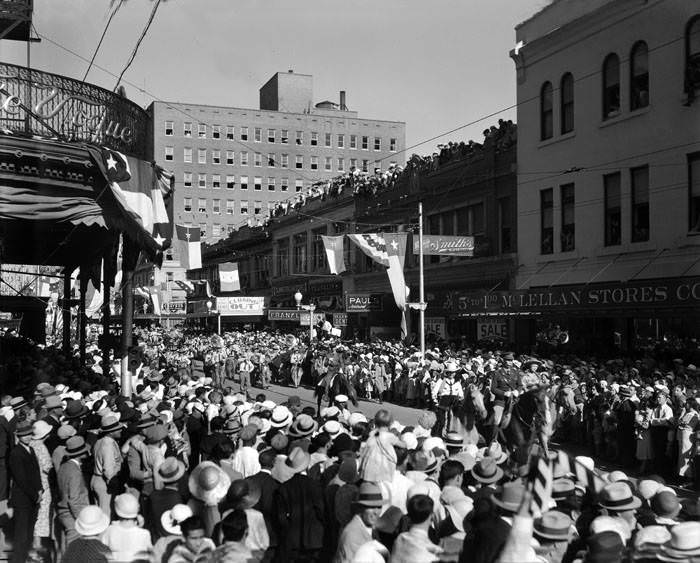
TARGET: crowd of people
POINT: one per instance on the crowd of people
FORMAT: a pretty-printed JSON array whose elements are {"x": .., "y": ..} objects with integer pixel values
[{"x": 195, "y": 465}]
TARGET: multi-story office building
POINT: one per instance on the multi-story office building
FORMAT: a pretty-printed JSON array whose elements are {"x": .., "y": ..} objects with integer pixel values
[
  {"x": 609, "y": 169},
  {"x": 232, "y": 165}
]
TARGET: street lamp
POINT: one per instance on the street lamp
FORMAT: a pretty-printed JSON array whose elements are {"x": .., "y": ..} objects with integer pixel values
[{"x": 310, "y": 308}]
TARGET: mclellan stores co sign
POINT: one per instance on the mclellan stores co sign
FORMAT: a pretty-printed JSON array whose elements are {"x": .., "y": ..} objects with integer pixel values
[{"x": 632, "y": 295}]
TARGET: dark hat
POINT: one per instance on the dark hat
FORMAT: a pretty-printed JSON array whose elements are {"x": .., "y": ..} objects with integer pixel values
[
  {"x": 24, "y": 428},
  {"x": 249, "y": 432},
  {"x": 279, "y": 442},
  {"x": 605, "y": 547},
  {"x": 294, "y": 401},
  {"x": 508, "y": 356},
  {"x": 146, "y": 421},
  {"x": 243, "y": 494},
  {"x": 155, "y": 433},
  {"x": 487, "y": 471},
  {"x": 75, "y": 409}
]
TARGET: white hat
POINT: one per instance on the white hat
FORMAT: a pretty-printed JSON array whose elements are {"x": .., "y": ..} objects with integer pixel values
[
  {"x": 341, "y": 398},
  {"x": 171, "y": 519}
]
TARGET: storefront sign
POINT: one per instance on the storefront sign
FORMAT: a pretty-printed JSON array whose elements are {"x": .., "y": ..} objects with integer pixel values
[
  {"x": 290, "y": 290},
  {"x": 283, "y": 315},
  {"x": 305, "y": 315},
  {"x": 436, "y": 326},
  {"x": 363, "y": 302},
  {"x": 487, "y": 329},
  {"x": 681, "y": 292},
  {"x": 174, "y": 307},
  {"x": 340, "y": 319},
  {"x": 240, "y": 306},
  {"x": 444, "y": 245},
  {"x": 324, "y": 288}
]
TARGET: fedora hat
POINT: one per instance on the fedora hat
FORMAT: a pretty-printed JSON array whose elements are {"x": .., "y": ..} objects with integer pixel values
[
  {"x": 91, "y": 521},
  {"x": 24, "y": 428},
  {"x": 424, "y": 461},
  {"x": 171, "y": 470},
  {"x": 208, "y": 483},
  {"x": 41, "y": 429},
  {"x": 65, "y": 431},
  {"x": 486, "y": 470},
  {"x": 684, "y": 542},
  {"x": 243, "y": 494},
  {"x": 76, "y": 447},
  {"x": 605, "y": 547},
  {"x": 126, "y": 505},
  {"x": 110, "y": 423},
  {"x": 553, "y": 525},
  {"x": 298, "y": 460},
  {"x": 171, "y": 519},
  {"x": 618, "y": 496},
  {"x": 370, "y": 496},
  {"x": 53, "y": 402},
  {"x": 509, "y": 496},
  {"x": 303, "y": 426}
]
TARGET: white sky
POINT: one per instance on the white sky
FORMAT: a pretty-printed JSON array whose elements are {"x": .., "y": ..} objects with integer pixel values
[{"x": 435, "y": 64}]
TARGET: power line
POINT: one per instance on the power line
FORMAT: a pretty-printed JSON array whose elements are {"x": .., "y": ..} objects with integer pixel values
[
  {"x": 104, "y": 33},
  {"x": 138, "y": 43}
]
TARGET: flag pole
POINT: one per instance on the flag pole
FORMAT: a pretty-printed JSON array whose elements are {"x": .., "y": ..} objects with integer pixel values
[{"x": 421, "y": 288}]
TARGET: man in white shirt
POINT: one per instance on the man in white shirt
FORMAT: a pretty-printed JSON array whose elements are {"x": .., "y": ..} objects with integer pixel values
[{"x": 660, "y": 423}]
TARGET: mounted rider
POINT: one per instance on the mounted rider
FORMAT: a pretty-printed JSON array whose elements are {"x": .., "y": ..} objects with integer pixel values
[
  {"x": 446, "y": 392},
  {"x": 505, "y": 386}
]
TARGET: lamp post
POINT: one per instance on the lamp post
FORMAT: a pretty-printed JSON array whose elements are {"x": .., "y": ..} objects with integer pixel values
[
  {"x": 310, "y": 308},
  {"x": 218, "y": 316},
  {"x": 209, "y": 306}
]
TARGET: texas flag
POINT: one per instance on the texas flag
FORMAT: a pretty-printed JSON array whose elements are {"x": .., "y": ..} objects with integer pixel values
[
  {"x": 189, "y": 247},
  {"x": 334, "y": 253},
  {"x": 228, "y": 277}
]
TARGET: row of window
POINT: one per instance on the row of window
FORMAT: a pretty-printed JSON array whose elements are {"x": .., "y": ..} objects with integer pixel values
[
  {"x": 611, "y": 99},
  {"x": 229, "y": 206},
  {"x": 243, "y": 183},
  {"x": 272, "y": 137},
  {"x": 272, "y": 161}
]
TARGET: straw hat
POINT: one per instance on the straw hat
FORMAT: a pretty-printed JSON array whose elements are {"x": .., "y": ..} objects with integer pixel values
[
  {"x": 281, "y": 417},
  {"x": 171, "y": 470},
  {"x": 303, "y": 426},
  {"x": 370, "y": 496},
  {"x": 126, "y": 505},
  {"x": 554, "y": 525},
  {"x": 454, "y": 440},
  {"x": 649, "y": 539},
  {"x": 487, "y": 471},
  {"x": 618, "y": 496},
  {"x": 91, "y": 521},
  {"x": 76, "y": 447},
  {"x": 208, "y": 483},
  {"x": 171, "y": 519},
  {"x": 494, "y": 451},
  {"x": 509, "y": 496},
  {"x": 684, "y": 542}
]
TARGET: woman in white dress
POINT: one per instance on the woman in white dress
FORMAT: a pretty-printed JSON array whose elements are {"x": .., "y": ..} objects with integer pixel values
[{"x": 687, "y": 422}]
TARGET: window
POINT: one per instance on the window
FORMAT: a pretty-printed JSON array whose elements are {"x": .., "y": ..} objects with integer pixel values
[
  {"x": 341, "y": 141},
  {"x": 318, "y": 257},
  {"x": 341, "y": 165},
  {"x": 284, "y": 163},
  {"x": 299, "y": 253},
  {"x": 202, "y": 180},
  {"x": 216, "y": 230},
  {"x": 187, "y": 179},
  {"x": 377, "y": 144},
  {"x": 202, "y": 131},
  {"x": 611, "y": 86},
  {"x": 639, "y": 76},
  {"x": 639, "y": 180},
  {"x": 365, "y": 143},
  {"x": 284, "y": 136},
  {"x": 230, "y": 182},
  {"x": 298, "y": 185},
  {"x": 216, "y": 181},
  {"x": 187, "y": 155},
  {"x": 299, "y": 161},
  {"x": 272, "y": 160},
  {"x": 271, "y": 135},
  {"x": 314, "y": 163},
  {"x": 613, "y": 230},
  {"x": 257, "y": 160},
  {"x": 505, "y": 225},
  {"x": 230, "y": 158},
  {"x": 257, "y": 207},
  {"x": 244, "y": 158},
  {"x": 392, "y": 144},
  {"x": 203, "y": 231},
  {"x": 244, "y": 206},
  {"x": 168, "y": 128},
  {"x": 547, "y": 221},
  {"x": 216, "y": 157},
  {"x": 353, "y": 141},
  {"x": 216, "y": 206},
  {"x": 314, "y": 138},
  {"x": 244, "y": 133},
  {"x": 365, "y": 165},
  {"x": 257, "y": 183},
  {"x": 168, "y": 153},
  {"x": 692, "y": 58},
  {"x": 328, "y": 140},
  {"x": 694, "y": 191},
  {"x": 566, "y": 92},
  {"x": 230, "y": 130},
  {"x": 201, "y": 205},
  {"x": 216, "y": 131},
  {"x": 186, "y": 129},
  {"x": 283, "y": 258},
  {"x": 377, "y": 166},
  {"x": 202, "y": 156},
  {"x": 187, "y": 204},
  {"x": 244, "y": 182},
  {"x": 270, "y": 184},
  {"x": 353, "y": 163},
  {"x": 230, "y": 206},
  {"x": 257, "y": 134},
  {"x": 328, "y": 166},
  {"x": 300, "y": 137},
  {"x": 546, "y": 113},
  {"x": 568, "y": 223},
  {"x": 284, "y": 184}
]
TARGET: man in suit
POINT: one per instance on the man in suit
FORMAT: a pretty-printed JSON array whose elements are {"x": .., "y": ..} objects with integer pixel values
[
  {"x": 6, "y": 442},
  {"x": 266, "y": 505},
  {"x": 72, "y": 487},
  {"x": 26, "y": 490},
  {"x": 359, "y": 530},
  {"x": 54, "y": 410}
]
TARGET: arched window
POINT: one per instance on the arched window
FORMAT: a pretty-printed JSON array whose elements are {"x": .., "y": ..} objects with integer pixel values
[
  {"x": 692, "y": 58},
  {"x": 566, "y": 91},
  {"x": 611, "y": 86},
  {"x": 546, "y": 112},
  {"x": 639, "y": 76}
]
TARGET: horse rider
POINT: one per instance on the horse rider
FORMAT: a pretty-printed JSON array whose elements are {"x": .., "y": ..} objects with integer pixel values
[
  {"x": 445, "y": 394},
  {"x": 505, "y": 386}
]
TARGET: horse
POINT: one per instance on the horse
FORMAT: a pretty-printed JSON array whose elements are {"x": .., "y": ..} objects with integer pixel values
[
  {"x": 464, "y": 415},
  {"x": 563, "y": 399},
  {"x": 532, "y": 419},
  {"x": 333, "y": 384}
]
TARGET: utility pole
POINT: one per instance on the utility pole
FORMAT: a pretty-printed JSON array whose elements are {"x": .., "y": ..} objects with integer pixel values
[{"x": 421, "y": 287}]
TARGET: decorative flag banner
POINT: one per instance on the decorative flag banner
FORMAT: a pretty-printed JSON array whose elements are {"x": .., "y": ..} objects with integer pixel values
[
  {"x": 334, "y": 253},
  {"x": 155, "y": 299},
  {"x": 201, "y": 289},
  {"x": 228, "y": 277},
  {"x": 140, "y": 190},
  {"x": 187, "y": 285},
  {"x": 396, "y": 254},
  {"x": 373, "y": 245},
  {"x": 444, "y": 245},
  {"x": 189, "y": 247},
  {"x": 541, "y": 487}
]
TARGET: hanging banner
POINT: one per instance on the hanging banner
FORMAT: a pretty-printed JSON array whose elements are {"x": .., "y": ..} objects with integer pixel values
[
  {"x": 491, "y": 328},
  {"x": 444, "y": 246},
  {"x": 363, "y": 302}
]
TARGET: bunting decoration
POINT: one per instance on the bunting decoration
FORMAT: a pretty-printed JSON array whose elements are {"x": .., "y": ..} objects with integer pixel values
[
  {"x": 542, "y": 487},
  {"x": 228, "y": 277},
  {"x": 334, "y": 253},
  {"x": 373, "y": 245}
]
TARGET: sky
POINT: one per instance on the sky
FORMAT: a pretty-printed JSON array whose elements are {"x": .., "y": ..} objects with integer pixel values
[{"x": 434, "y": 64}]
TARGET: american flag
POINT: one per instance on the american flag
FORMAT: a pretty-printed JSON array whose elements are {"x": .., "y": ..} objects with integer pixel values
[
  {"x": 373, "y": 245},
  {"x": 542, "y": 487}
]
